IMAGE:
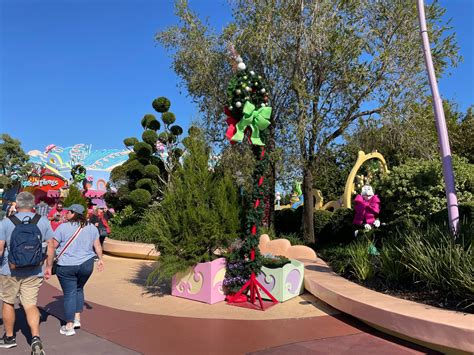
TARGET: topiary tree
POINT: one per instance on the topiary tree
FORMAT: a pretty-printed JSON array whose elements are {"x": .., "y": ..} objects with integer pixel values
[
  {"x": 143, "y": 178},
  {"x": 198, "y": 217}
]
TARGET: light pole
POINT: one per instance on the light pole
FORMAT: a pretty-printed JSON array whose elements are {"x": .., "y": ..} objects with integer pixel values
[{"x": 445, "y": 150}]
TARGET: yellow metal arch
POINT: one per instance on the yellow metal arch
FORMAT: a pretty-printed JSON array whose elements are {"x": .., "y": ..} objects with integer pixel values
[{"x": 346, "y": 200}]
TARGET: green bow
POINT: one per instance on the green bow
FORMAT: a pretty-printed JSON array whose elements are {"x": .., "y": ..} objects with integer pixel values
[{"x": 258, "y": 120}]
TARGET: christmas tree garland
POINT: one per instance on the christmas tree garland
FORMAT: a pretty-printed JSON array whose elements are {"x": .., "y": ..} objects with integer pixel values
[{"x": 248, "y": 115}]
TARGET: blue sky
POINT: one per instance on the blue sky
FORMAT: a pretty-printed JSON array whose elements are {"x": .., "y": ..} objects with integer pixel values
[{"x": 86, "y": 71}]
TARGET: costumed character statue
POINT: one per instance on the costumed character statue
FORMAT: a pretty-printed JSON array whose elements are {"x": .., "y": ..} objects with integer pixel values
[
  {"x": 297, "y": 198},
  {"x": 367, "y": 209}
]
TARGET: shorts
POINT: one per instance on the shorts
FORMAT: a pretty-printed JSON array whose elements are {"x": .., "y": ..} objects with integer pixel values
[{"x": 27, "y": 287}]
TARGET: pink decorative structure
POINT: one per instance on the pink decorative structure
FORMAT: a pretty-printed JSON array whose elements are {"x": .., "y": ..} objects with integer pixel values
[{"x": 201, "y": 283}]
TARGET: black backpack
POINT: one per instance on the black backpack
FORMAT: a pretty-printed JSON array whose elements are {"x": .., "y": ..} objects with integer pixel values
[{"x": 25, "y": 249}]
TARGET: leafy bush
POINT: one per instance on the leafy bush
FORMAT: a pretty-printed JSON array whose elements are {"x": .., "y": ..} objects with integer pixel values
[
  {"x": 130, "y": 233},
  {"x": 339, "y": 229},
  {"x": 140, "y": 198},
  {"x": 147, "y": 119},
  {"x": 417, "y": 188},
  {"x": 288, "y": 221},
  {"x": 161, "y": 104},
  {"x": 125, "y": 217},
  {"x": 321, "y": 218}
]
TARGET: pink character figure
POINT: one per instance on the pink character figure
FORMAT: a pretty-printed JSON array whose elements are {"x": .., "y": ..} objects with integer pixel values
[{"x": 367, "y": 208}]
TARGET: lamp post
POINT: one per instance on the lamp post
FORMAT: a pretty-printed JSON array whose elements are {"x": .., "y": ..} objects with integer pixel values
[{"x": 445, "y": 150}]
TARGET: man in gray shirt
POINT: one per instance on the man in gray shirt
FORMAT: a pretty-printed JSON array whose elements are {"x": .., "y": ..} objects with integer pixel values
[{"x": 22, "y": 282}]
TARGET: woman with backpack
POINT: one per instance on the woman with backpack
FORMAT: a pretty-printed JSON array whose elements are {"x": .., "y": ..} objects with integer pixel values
[{"x": 78, "y": 244}]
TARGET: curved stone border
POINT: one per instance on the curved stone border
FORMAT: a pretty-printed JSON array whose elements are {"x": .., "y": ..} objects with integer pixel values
[
  {"x": 284, "y": 247},
  {"x": 440, "y": 329},
  {"x": 130, "y": 249}
]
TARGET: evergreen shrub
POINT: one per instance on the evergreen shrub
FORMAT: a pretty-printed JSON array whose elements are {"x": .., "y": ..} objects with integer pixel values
[
  {"x": 140, "y": 198},
  {"x": 288, "y": 220},
  {"x": 75, "y": 196},
  {"x": 198, "y": 217},
  {"x": 168, "y": 118},
  {"x": 161, "y": 104}
]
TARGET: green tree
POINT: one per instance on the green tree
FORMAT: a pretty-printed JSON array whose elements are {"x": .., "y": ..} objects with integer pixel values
[
  {"x": 14, "y": 165},
  {"x": 198, "y": 216},
  {"x": 328, "y": 63},
  {"x": 75, "y": 196}
]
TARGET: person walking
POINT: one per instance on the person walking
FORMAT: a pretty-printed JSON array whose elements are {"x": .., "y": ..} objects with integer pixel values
[
  {"x": 78, "y": 244},
  {"x": 100, "y": 220},
  {"x": 21, "y": 272}
]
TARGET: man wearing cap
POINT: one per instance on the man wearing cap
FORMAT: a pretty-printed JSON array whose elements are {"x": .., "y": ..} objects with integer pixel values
[
  {"x": 22, "y": 282},
  {"x": 78, "y": 244}
]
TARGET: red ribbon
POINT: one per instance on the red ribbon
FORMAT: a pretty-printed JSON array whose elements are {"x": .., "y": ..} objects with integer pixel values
[{"x": 231, "y": 121}]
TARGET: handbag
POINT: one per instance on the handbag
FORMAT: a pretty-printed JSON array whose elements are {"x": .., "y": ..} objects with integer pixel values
[{"x": 54, "y": 268}]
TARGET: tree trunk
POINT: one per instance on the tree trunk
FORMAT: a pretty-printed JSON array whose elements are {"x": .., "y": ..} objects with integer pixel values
[{"x": 308, "y": 208}]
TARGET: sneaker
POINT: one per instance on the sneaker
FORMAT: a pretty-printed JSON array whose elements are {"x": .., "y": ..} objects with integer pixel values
[
  {"x": 37, "y": 346},
  {"x": 77, "y": 323},
  {"x": 7, "y": 342},
  {"x": 67, "y": 332}
]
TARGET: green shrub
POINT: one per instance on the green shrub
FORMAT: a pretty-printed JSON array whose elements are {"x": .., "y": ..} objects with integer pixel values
[
  {"x": 154, "y": 125},
  {"x": 168, "y": 118},
  {"x": 127, "y": 216},
  {"x": 142, "y": 149},
  {"x": 322, "y": 219},
  {"x": 198, "y": 215},
  {"x": 129, "y": 142},
  {"x": 176, "y": 130},
  {"x": 134, "y": 169},
  {"x": 150, "y": 137},
  {"x": 140, "y": 198},
  {"x": 360, "y": 259},
  {"x": 130, "y": 233},
  {"x": 147, "y": 184},
  {"x": 417, "y": 188},
  {"x": 288, "y": 221},
  {"x": 339, "y": 229},
  {"x": 152, "y": 171},
  {"x": 147, "y": 119},
  {"x": 161, "y": 104}
]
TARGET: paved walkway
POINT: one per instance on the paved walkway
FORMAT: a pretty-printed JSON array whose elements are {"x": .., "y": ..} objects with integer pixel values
[{"x": 179, "y": 329}]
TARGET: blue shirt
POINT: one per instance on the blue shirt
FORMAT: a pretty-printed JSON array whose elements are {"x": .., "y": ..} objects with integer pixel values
[
  {"x": 6, "y": 229},
  {"x": 81, "y": 249}
]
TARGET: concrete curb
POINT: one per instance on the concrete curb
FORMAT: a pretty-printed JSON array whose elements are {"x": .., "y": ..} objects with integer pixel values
[
  {"x": 437, "y": 328},
  {"x": 130, "y": 249}
]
